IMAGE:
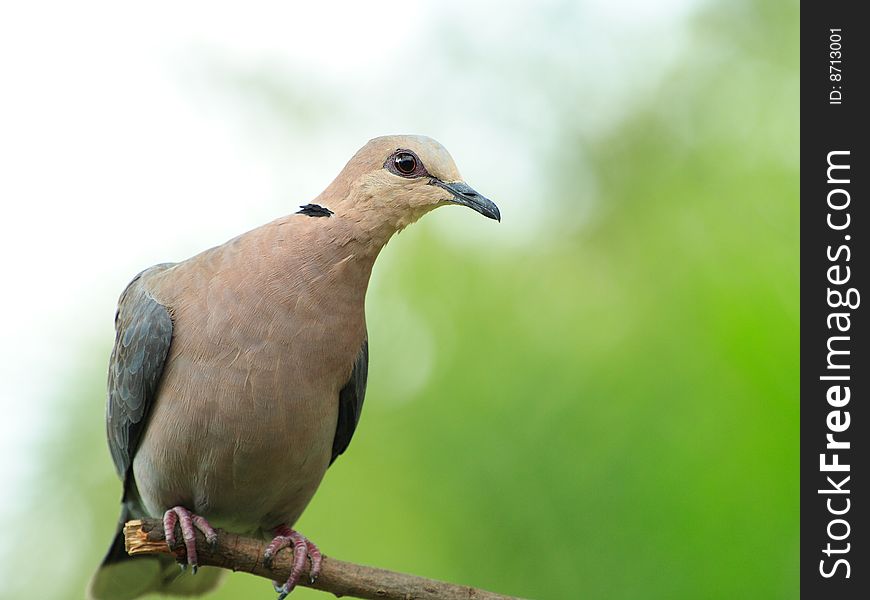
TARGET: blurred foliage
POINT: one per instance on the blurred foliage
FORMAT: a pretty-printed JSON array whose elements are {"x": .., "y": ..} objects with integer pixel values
[{"x": 609, "y": 412}]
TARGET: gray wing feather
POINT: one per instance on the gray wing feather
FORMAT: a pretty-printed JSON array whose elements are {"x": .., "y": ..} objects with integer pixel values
[
  {"x": 350, "y": 402},
  {"x": 143, "y": 333}
]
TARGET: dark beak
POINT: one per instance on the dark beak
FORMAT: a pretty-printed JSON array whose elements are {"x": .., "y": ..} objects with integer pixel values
[{"x": 464, "y": 195}]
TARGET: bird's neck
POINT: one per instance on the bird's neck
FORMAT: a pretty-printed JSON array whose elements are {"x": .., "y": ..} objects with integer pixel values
[
  {"x": 337, "y": 243},
  {"x": 364, "y": 219},
  {"x": 317, "y": 259}
]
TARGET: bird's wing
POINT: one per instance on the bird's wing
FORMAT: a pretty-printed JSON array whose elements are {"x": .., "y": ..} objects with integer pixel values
[
  {"x": 350, "y": 402},
  {"x": 143, "y": 332}
]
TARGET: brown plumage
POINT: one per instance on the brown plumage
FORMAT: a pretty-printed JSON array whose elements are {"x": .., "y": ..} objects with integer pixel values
[{"x": 238, "y": 375}]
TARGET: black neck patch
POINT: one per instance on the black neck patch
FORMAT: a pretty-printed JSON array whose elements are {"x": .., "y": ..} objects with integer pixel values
[{"x": 314, "y": 210}]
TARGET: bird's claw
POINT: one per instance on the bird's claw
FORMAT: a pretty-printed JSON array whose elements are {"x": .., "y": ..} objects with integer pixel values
[
  {"x": 189, "y": 523},
  {"x": 302, "y": 548},
  {"x": 269, "y": 555},
  {"x": 283, "y": 591}
]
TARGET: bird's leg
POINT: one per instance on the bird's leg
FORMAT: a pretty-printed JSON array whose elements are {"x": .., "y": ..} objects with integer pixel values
[
  {"x": 302, "y": 547},
  {"x": 189, "y": 523}
]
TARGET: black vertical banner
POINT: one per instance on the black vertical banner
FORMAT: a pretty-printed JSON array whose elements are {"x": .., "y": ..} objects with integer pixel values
[{"x": 835, "y": 373}]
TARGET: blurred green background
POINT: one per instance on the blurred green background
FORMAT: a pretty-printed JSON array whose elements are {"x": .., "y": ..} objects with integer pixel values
[{"x": 597, "y": 398}]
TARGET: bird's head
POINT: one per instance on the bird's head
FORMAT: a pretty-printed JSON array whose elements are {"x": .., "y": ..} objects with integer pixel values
[{"x": 397, "y": 179}]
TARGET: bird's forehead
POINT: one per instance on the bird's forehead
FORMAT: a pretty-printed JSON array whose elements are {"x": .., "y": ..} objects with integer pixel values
[{"x": 435, "y": 157}]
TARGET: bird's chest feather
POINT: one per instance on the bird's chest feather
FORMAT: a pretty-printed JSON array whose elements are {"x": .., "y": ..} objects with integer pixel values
[{"x": 252, "y": 396}]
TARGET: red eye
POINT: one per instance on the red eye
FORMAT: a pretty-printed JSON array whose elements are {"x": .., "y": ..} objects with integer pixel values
[{"x": 405, "y": 163}]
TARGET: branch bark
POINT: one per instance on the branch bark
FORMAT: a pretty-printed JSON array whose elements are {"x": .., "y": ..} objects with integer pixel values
[{"x": 341, "y": 578}]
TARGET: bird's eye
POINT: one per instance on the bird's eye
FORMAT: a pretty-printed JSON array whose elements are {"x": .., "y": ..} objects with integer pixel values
[{"x": 405, "y": 163}]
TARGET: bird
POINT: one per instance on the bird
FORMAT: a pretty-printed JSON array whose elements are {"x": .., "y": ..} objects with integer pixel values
[{"x": 238, "y": 376}]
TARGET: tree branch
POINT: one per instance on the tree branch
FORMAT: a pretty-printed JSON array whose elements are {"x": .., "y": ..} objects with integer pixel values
[{"x": 341, "y": 578}]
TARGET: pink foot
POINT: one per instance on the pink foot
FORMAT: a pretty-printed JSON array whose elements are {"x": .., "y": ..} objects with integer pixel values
[
  {"x": 302, "y": 548},
  {"x": 189, "y": 523}
]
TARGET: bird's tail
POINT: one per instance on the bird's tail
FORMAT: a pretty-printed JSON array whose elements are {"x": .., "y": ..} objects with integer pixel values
[{"x": 122, "y": 577}]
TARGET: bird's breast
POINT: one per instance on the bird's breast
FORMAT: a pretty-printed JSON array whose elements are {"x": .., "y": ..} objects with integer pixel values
[{"x": 246, "y": 413}]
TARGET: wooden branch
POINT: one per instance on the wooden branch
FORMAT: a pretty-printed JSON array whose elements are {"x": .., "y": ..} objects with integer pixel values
[{"x": 341, "y": 578}]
